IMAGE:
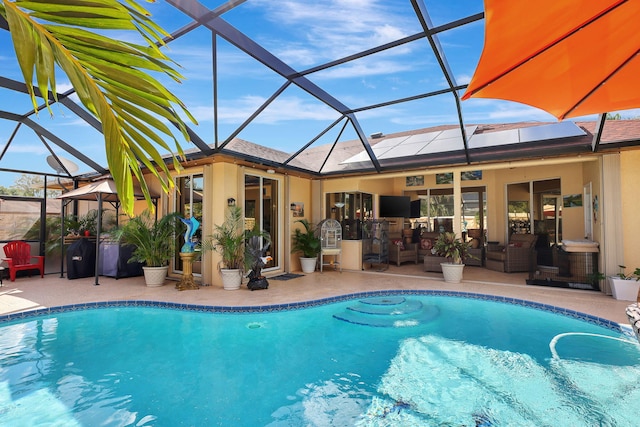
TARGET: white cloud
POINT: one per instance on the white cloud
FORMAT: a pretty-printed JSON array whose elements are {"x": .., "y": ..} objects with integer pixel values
[
  {"x": 202, "y": 113},
  {"x": 281, "y": 110},
  {"x": 363, "y": 69},
  {"x": 38, "y": 149},
  {"x": 329, "y": 23},
  {"x": 195, "y": 61},
  {"x": 420, "y": 120},
  {"x": 295, "y": 53},
  {"x": 463, "y": 79},
  {"x": 491, "y": 110},
  {"x": 63, "y": 86}
]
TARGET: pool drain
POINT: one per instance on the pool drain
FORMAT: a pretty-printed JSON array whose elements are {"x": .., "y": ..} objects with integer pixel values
[{"x": 255, "y": 325}]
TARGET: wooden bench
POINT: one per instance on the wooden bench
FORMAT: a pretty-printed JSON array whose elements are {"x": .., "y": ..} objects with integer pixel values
[{"x": 19, "y": 258}]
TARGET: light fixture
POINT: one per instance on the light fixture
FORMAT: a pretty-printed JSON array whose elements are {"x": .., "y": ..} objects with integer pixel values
[
  {"x": 271, "y": 171},
  {"x": 339, "y": 205},
  {"x": 231, "y": 201}
]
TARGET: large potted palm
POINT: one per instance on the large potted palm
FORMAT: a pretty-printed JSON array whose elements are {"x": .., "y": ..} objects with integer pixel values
[
  {"x": 154, "y": 242},
  {"x": 228, "y": 240},
  {"x": 307, "y": 244},
  {"x": 455, "y": 251}
]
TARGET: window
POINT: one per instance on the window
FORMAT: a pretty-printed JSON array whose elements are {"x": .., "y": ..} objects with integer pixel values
[
  {"x": 350, "y": 209},
  {"x": 437, "y": 209},
  {"x": 536, "y": 207}
]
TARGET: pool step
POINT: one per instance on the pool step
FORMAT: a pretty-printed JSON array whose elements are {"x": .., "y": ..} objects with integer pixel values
[{"x": 388, "y": 312}]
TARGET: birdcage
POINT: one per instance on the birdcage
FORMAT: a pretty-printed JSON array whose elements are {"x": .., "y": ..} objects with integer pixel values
[{"x": 330, "y": 244}]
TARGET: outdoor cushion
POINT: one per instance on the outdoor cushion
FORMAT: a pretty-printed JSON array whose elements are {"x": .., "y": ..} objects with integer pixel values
[
  {"x": 497, "y": 255},
  {"x": 522, "y": 240},
  {"x": 399, "y": 243},
  {"x": 426, "y": 244}
]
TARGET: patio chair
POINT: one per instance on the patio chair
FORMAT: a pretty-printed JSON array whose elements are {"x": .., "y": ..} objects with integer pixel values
[
  {"x": 400, "y": 252},
  {"x": 19, "y": 258},
  {"x": 517, "y": 256}
]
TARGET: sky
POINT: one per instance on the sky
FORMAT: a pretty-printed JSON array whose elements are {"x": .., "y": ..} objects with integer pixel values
[{"x": 303, "y": 34}]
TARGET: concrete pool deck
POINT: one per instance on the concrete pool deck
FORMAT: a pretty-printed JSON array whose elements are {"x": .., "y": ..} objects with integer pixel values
[{"x": 30, "y": 293}]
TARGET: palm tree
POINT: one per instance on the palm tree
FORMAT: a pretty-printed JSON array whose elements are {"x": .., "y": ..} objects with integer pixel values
[{"x": 111, "y": 77}]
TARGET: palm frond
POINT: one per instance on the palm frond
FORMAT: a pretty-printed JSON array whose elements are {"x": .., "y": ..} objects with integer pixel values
[{"x": 111, "y": 78}]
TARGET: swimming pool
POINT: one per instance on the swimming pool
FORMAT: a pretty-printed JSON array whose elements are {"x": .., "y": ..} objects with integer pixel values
[{"x": 373, "y": 359}]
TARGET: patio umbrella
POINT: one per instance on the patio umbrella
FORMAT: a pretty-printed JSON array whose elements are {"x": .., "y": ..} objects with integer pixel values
[
  {"x": 101, "y": 191},
  {"x": 570, "y": 58}
]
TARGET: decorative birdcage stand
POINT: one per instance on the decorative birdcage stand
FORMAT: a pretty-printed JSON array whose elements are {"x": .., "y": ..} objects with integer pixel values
[{"x": 330, "y": 243}]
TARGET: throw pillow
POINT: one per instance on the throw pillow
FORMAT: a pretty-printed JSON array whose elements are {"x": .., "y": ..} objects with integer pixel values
[
  {"x": 399, "y": 243},
  {"x": 426, "y": 244}
]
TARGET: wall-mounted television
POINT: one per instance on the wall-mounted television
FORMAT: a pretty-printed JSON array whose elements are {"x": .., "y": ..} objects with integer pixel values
[{"x": 395, "y": 207}]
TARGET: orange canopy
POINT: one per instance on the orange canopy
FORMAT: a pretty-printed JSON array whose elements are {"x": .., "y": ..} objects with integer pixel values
[{"x": 568, "y": 57}]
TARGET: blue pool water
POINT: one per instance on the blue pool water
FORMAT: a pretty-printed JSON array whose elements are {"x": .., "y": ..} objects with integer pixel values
[{"x": 373, "y": 360}]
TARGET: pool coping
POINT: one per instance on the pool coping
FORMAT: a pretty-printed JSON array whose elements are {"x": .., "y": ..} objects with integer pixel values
[{"x": 609, "y": 324}]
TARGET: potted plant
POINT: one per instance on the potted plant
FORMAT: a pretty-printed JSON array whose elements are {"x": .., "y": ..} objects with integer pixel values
[
  {"x": 154, "y": 242},
  {"x": 625, "y": 287},
  {"x": 455, "y": 251},
  {"x": 228, "y": 240},
  {"x": 308, "y": 244}
]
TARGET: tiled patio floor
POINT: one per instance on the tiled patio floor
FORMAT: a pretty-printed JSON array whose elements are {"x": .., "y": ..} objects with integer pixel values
[{"x": 32, "y": 293}]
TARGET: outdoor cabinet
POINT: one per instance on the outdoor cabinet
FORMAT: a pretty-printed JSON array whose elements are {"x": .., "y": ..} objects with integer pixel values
[
  {"x": 375, "y": 243},
  {"x": 114, "y": 261}
]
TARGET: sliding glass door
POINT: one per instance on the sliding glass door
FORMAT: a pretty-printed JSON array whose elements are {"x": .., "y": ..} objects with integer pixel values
[
  {"x": 262, "y": 200},
  {"x": 188, "y": 204}
]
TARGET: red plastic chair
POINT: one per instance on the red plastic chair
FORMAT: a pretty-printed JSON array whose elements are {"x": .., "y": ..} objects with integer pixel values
[{"x": 19, "y": 258}]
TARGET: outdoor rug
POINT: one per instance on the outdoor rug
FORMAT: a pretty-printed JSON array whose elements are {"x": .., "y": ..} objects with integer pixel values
[{"x": 286, "y": 276}]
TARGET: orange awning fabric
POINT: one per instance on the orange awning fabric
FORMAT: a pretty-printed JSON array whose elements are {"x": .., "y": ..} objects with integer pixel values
[{"x": 570, "y": 58}]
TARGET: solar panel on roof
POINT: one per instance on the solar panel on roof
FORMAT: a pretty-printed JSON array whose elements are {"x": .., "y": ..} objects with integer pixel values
[
  {"x": 505, "y": 137},
  {"x": 550, "y": 131},
  {"x": 441, "y": 145},
  {"x": 451, "y": 140},
  {"x": 403, "y": 150},
  {"x": 391, "y": 142}
]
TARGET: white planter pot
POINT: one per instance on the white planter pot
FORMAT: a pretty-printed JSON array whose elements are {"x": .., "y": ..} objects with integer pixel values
[
  {"x": 452, "y": 272},
  {"x": 231, "y": 279},
  {"x": 626, "y": 290},
  {"x": 308, "y": 264},
  {"x": 154, "y": 276}
]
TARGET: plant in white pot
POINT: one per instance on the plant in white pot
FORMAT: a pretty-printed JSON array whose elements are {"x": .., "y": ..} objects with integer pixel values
[
  {"x": 625, "y": 287},
  {"x": 154, "y": 242},
  {"x": 307, "y": 244},
  {"x": 228, "y": 240},
  {"x": 456, "y": 251}
]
